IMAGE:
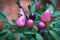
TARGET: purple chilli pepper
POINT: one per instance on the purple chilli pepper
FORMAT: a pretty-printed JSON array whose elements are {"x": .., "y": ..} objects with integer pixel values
[
  {"x": 46, "y": 16},
  {"x": 37, "y": 6},
  {"x": 21, "y": 21},
  {"x": 30, "y": 23},
  {"x": 41, "y": 25},
  {"x": 32, "y": 16}
]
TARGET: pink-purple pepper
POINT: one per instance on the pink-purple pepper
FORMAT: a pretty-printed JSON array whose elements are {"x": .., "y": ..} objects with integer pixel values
[
  {"x": 22, "y": 19},
  {"x": 46, "y": 16},
  {"x": 41, "y": 25},
  {"x": 37, "y": 6},
  {"x": 30, "y": 23}
]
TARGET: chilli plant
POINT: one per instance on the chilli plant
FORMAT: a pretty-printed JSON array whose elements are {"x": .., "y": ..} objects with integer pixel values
[{"x": 38, "y": 23}]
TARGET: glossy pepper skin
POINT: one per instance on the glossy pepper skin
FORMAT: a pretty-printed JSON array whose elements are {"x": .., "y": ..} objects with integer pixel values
[
  {"x": 46, "y": 16},
  {"x": 37, "y": 6},
  {"x": 30, "y": 23},
  {"x": 32, "y": 16},
  {"x": 21, "y": 21},
  {"x": 41, "y": 25}
]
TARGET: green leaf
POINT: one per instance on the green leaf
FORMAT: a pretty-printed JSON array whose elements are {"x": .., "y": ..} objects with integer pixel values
[
  {"x": 54, "y": 35},
  {"x": 49, "y": 37},
  {"x": 56, "y": 29},
  {"x": 56, "y": 13},
  {"x": 18, "y": 35},
  {"x": 3, "y": 17},
  {"x": 32, "y": 39},
  {"x": 8, "y": 26},
  {"x": 54, "y": 2},
  {"x": 57, "y": 25},
  {"x": 53, "y": 22},
  {"x": 11, "y": 36},
  {"x": 33, "y": 30},
  {"x": 39, "y": 37},
  {"x": 51, "y": 8},
  {"x": 3, "y": 31},
  {"x": 36, "y": 21},
  {"x": 28, "y": 32},
  {"x": 21, "y": 35},
  {"x": 5, "y": 13},
  {"x": 33, "y": 8},
  {"x": 42, "y": 9},
  {"x": 37, "y": 14},
  {"x": 3, "y": 36}
]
